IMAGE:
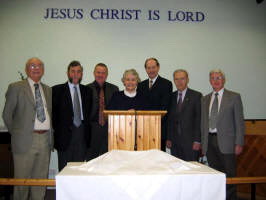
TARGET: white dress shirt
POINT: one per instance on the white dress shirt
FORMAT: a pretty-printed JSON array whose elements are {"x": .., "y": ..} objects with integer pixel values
[
  {"x": 37, "y": 124},
  {"x": 183, "y": 94},
  {"x": 219, "y": 96},
  {"x": 71, "y": 88}
]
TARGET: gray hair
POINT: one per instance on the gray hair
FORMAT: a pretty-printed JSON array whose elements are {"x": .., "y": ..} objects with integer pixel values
[
  {"x": 28, "y": 63},
  {"x": 180, "y": 70},
  {"x": 131, "y": 71},
  {"x": 217, "y": 71}
]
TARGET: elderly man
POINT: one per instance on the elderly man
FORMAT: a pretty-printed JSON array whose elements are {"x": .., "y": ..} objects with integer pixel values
[
  {"x": 71, "y": 115},
  {"x": 184, "y": 119},
  {"x": 102, "y": 92},
  {"x": 222, "y": 125},
  {"x": 157, "y": 91},
  {"x": 27, "y": 115}
]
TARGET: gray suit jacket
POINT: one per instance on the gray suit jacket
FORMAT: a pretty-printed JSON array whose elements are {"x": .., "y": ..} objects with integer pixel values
[
  {"x": 19, "y": 114},
  {"x": 230, "y": 123}
]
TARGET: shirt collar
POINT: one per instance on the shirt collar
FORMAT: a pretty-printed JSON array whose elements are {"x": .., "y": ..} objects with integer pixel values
[
  {"x": 183, "y": 92},
  {"x": 132, "y": 94},
  {"x": 31, "y": 82},
  {"x": 97, "y": 84},
  {"x": 154, "y": 79},
  {"x": 71, "y": 85},
  {"x": 220, "y": 92}
]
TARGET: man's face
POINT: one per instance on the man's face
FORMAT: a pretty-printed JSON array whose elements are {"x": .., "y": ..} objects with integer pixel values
[
  {"x": 35, "y": 69},
  {"x": 181, "y": 80},
  {"x": 75, "y": 74},
  {"x": 152, "y": 69},
  {"x": 217, "y": 81},
  {"x": 100, "y": 74}
]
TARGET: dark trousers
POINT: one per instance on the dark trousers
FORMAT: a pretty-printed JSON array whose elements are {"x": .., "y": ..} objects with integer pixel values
[
  {"x": 184, "y": 152},
  {"x": 76, "y": 150},
  {"x": 99, "y": 140},
  {"x": 225, "y": 163}
]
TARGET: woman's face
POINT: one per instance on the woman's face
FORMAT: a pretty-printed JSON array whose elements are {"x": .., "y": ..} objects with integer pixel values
[{"x": 130, "y": 82}]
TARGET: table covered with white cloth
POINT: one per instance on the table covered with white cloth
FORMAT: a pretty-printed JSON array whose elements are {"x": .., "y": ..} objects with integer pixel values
[{"x": 139, "y": 175}]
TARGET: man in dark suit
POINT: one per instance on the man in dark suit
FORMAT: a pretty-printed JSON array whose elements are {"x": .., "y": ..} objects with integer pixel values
[
  {"x": 184, "y": 119},
  {"x": 223, "y": 129},
  {"x": 71, "y": 113},
  {"x": 102, "y": 92},
  {"x": 27, "y": 116},
  {"x": 157, "y": 91}
]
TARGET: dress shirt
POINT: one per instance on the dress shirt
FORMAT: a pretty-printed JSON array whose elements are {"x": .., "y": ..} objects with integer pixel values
[
  {"x": 71, "y": 88},
  {"x": 37, "y": 124},
  {"x": 219, "y": 96},
  {"x": 153, "y": 80},
  {"x": 183, "y": 94}
]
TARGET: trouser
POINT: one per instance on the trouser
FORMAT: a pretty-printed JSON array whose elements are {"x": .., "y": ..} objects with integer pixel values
[
  {"x": 76, "y": 150},
  {"x": 32, "y": 164},
  {"x": 99, "y": 140},
  {"x": 225, "y": 163}
]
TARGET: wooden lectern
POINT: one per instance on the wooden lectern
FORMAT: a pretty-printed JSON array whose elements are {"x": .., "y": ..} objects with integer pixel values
[{"x": 134, "y": 130}]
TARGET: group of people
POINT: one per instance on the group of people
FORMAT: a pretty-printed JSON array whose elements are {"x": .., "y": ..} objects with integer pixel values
[{"x": 69, "y": 117}]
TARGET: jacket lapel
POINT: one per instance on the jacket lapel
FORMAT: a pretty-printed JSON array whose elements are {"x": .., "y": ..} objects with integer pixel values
[
  {"x": 68, "y": 96},
  {"x": 28, "y": 91},
  {"x": 208, "y": 101},
  {"x": 186, "y": 100},
  {"x": 224, "y": 102}
]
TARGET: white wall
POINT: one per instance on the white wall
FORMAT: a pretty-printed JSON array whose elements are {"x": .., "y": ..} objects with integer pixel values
[{"x": 232, "y": 37}]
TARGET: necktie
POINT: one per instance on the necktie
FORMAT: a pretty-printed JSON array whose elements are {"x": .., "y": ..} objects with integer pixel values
[
  {"x": 214, "y": 112},
  {"x": 77, "y": 111},
  {"x": 150, "y": 84},
  {"x": 179, "y": 103},
  {"x": 101, "y": 107},
  {"x": 39, "y": 104}
]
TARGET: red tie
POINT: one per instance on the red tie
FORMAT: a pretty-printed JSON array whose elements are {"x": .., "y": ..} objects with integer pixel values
[{"x": 101, "y": 107}]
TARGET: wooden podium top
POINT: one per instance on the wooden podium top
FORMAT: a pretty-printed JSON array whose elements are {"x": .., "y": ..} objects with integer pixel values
[{"x": 135, "y": 112}]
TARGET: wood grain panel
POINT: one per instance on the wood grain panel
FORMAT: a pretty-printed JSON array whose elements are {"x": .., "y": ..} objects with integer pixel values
[{"x": 252, "y": 162}]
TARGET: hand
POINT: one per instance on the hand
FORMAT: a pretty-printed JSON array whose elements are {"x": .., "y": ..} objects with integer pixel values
[
  {"x": 238, "y": 149},
  {"x": 168, "y": 144},
  {"x": 196, "y": 146}
]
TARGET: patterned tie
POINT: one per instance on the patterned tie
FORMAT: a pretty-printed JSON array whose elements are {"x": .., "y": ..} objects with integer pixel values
[
  {"x": 150, "y": 84},
  {"x": 77, "y": 111},
  {"x": 214, "y": 112},
  {"x": 101, "y": 107},
  {"x": 39, "y": 104},
  {"x": 179, "y": 103}
]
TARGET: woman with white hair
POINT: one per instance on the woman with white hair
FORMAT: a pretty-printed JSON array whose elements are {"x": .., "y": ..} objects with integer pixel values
[{"x": 128, "y": 99}]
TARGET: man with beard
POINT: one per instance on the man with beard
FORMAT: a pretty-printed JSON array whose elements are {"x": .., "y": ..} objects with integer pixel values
[{"x": 70, "y": 117}]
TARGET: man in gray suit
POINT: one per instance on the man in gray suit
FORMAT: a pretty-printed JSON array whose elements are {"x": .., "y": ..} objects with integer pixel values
[
  {"x": 222, "y": 125},
  {"x": 102, "y": 92},
  {"x": 27, "y": 115}
]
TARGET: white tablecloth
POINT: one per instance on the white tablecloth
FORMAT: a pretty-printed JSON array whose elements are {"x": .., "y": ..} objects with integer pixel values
[{"x": 139, "y": 175}]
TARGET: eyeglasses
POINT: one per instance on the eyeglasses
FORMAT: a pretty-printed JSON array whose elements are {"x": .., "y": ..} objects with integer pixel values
[
  {"x": 35, "y": 66},
  {"x": 217, "y": 78}
]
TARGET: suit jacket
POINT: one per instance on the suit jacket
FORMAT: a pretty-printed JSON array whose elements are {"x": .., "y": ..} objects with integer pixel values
[
  {"x": 19, "y": 114},
  {"x": 230, "y": 122},
  {"x": 108, "y": 93},
  {"x": 63, "y": 114},
  {"x": 158, "y": 97},
  {"x": 184, "y": 126}
]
